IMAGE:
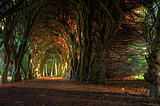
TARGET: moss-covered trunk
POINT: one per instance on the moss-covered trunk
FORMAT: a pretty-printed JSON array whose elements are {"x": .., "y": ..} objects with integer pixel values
[
  {"x": 8, "y": 30},
  {"x": 152, "y": 74},
  {"x": 74, "y": 60},
  {"x": 17, "y": 59},
  {"x": 16, "y": 74},
  {"x": 97, "y": 71},
  {"x": 85, "y": 60},
  {"x": 87, "y": 45},
  {"x": 5, "y": 64},
  {"x": 152, "y": 59}
]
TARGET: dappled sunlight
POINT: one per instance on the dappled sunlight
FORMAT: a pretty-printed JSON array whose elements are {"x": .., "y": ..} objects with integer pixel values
[
  {"x": 51, "y": 77},
  {"x": 8, "y": 78},
  {"x": 79, "y": 52}
]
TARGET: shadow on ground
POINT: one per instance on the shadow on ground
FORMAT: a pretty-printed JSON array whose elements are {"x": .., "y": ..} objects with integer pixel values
[{"x": 68, "y": 93}]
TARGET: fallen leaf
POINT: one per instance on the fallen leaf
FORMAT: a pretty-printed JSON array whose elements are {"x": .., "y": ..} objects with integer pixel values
[{"x": 42, "y": 95}]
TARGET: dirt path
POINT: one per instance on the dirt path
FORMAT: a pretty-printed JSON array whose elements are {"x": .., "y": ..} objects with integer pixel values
[{"x": 57, "y": 91}]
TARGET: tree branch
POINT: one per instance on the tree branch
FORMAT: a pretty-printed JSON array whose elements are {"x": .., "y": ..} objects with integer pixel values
[{"x": 107, "y": 12}]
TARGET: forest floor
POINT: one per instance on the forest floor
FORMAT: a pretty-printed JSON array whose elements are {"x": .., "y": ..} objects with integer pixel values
[{"x": 57, "y": 91}]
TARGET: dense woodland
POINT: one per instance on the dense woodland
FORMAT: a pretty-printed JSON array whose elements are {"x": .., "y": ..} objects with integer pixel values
[{"x": 85, "y": 40}]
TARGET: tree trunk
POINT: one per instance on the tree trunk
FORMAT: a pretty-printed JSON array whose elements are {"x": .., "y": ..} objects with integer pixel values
[
  {"x": 24, "y": 73},
  {"x": 75, "y": 64},
  {"x": 60, "y": 68},
  {"x": 74, "y": 60},
  {"x": 97, "y": 73},
  {"x": 84, "y": 64},
  {"x": 5, "y": 69},
  {"x": 41, "y": 67},
  {"x": 17, "y": 60},
  {"x": 86, "y": 49},
  {"x": 6, "y": 61},
  {"x": 154, "y": 90},
  {"x": 55, "y": 70},
  {"x": 31, "y": 74},
  {"x": 45, "y": 70},
  {"x": 152, "y": 76},
  {"x": 153, "y": 58},
  {"x": 52, "y": 68},
  {"x": 16, "y": 74}
]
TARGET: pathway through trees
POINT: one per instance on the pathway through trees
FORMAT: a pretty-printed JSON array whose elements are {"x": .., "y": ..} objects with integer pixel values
[{"x": 57, "y": 91}]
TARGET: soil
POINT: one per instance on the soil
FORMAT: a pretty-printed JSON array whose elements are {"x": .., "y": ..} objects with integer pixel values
[{"x": 57, "y": 91}]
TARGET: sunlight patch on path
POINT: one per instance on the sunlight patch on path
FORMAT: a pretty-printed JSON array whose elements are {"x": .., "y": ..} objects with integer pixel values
[
  {"x": 8, "y": 78},
  {"x": 50, "y": 77}
]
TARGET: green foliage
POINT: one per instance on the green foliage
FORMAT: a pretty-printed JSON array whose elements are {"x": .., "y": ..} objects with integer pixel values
[
  {"x": 158, "y": 2},
  {"x": 49, "y": 65},
  {"x": 9, "y": 73},
  {"x": 141, "y": 11},
  {"x": 138, "y": 59}
]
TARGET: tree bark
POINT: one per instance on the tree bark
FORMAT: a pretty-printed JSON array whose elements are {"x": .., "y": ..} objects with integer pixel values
[
  {"x": 45, "y": 69},
  {"x": 153, "y": 61},
  {"x": 52, "y": 68},
  {"x": 6, "y": 61},
  {"x": 97, "y": 72},
  {"x": 86, "y": 47},
  {"x": 31, "y": 74},
  {"x": 16, "y": 74},
  {"x": 24, "y": 73}
]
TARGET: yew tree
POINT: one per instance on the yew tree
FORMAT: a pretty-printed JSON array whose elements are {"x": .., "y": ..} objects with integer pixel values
[
  {"x": 18, "y": 22},
  {"x": 153, "y": 57},
  {"x": 145, "y": 20}
]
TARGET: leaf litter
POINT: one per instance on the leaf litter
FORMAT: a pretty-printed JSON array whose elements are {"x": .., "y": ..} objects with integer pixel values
[{"x": 57, "y": 91}]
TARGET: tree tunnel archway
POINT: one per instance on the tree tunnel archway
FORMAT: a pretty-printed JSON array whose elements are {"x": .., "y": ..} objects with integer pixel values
[
  {"x": 56, "y": 52},
  {"x": 87, "y": 39}
]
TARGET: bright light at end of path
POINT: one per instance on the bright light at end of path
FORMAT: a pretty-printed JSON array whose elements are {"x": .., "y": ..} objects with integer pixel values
[
  {"x": 57, "y": 78},
  {"x": 2, "y": 27}
]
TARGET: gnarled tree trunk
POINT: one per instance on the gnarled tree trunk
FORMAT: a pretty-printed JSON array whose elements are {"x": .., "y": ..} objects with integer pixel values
[
  {"x": 5, "y": 64},
  {"x": 153, "y": 61},
  {"x": 97, "y": 71}
]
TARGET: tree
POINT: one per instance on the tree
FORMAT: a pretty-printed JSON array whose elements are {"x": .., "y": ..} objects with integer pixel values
[
  {"x": 9, "y": 20},
  {"x": 147, "y": 25},
  {"x": 153, "y": 57},
  {"x": 7, "y": 32},
  {"x": 82, "y": 14},
  {"x": 93, "y": 53},
  {"x": 28, "y": 19}
]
